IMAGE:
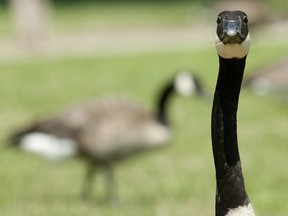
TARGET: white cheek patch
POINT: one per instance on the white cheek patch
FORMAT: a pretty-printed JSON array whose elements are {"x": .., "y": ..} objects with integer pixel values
[
  {"x": 246, "y": 210},
  {"x": 184, "y": 84},
  {"x": 229, "y": 51}
]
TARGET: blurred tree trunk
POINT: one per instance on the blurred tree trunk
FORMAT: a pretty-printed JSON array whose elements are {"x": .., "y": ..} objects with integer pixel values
[{"x": 32, "y": 21}]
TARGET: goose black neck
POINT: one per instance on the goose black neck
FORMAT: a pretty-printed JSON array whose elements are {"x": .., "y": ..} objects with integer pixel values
[
  {"x": 162, "y": 103},
  {"x": 230, "y": 184}
]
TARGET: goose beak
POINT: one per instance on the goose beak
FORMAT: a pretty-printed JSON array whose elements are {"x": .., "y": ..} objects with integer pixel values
[
  {"x": 232, "y": 32},
  {"x": 231, "y": 28}
]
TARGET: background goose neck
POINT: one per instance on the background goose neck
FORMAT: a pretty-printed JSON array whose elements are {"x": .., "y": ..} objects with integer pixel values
[{"x": 163, "y": 101}]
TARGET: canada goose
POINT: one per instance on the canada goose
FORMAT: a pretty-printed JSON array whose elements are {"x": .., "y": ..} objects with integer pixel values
[
  {"x": 232, "y": 45},
  {"x": 106, "y": 131},
  {"x": 273, "y": 78}
]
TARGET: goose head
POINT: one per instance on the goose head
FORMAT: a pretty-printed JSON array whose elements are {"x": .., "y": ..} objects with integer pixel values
[
  {"x": 232, "y": 34},
  {"x": 187, "y": 84}
]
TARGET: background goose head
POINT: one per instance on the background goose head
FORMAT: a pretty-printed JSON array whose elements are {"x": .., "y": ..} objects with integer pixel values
[
  {"x": 188, "y": 84},
  {"x": 184, "y": 83}
]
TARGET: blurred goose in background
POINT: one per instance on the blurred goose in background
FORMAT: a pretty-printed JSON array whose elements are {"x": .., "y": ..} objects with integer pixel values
[
  {"x": 106, "y": 131},
  {"x": 269, "y": 79}
]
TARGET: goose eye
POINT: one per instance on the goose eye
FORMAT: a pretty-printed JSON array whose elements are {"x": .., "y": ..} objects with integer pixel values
[
  {"x": 245, "y": 19},
  {"x": 219, "y": 19}
]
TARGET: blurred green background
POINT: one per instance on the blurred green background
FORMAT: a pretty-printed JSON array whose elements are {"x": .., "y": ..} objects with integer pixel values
[{"x": 88, "y": 49}]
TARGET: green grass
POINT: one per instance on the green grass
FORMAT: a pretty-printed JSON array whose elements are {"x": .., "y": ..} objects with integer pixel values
[
  {"x": 93, "y": 17},
  {"x": 177, "y": 180},
  {"x": 6, "y": 23},
  {"x": 122, "y": 15},
  {"x": 278, "y": 4}
]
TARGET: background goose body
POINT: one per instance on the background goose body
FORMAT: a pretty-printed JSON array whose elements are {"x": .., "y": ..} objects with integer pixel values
[
  {"x": 94, "y": 127},
  {"x": 273, "y": 78},
  {"x": 106, "y": 131}
]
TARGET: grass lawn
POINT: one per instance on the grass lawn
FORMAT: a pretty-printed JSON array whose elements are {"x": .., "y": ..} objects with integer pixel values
[
  {"x": 178, "y": 180},
  {"x": 119, "y": 15},
  {"x": 174, "y": 181},
  {"x": 123, "y": 15}
]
